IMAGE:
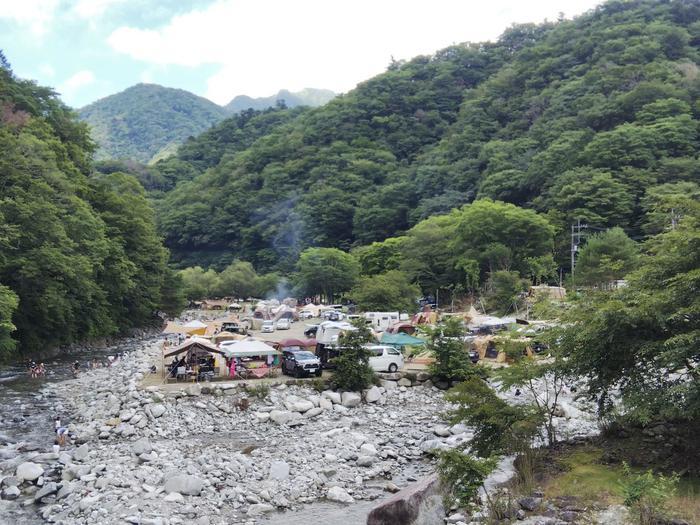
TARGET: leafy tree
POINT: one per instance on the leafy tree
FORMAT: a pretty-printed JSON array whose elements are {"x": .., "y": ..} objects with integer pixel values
[
  {"x": 463, "y": 475},
  {"x": 446, "y": 343},
  {"x": 643, "y": 339},
  {"x": 8, "y": 305},
  {"x": 499, "y": 428},
  {"x": 504, "y": 289},
  {"x": 326, "y": 271},
  {"x": 390, "y": 291},
  {"x": 379, "y": 257},
  {"x": 239, "y": 279},
  {"x": 352, "y": 371},
  {"x": 199, "y": 283},
  {"x": 605, "y": 257}
]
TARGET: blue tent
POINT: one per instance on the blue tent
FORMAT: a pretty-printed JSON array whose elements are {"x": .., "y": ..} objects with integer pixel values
[{"x": 400, "y": 339}]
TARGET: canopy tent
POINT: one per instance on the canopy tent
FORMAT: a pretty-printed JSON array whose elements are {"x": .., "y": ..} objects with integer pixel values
[
  {"x": 195, "y": 324},
  {"x": 226, "y": 336},
  {"x": 196, "y": 327},
  {"x": 296, "y": 343},
  {"x": 195, "y": 345},
  {"x": 248, "y": 348},
  {"x": 400, "y": 339}
]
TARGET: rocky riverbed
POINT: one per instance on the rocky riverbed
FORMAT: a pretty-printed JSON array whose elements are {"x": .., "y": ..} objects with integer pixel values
[{"x": 218, "y": 454}]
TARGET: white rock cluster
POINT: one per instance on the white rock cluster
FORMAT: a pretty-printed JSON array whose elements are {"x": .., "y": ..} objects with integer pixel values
[{"x": 190, "y": 454}]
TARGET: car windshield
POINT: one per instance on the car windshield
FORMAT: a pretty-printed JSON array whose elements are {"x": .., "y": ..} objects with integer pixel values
[{"x": 304, "y": 356}]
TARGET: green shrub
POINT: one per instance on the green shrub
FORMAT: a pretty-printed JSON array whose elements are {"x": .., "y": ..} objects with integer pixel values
[
  {"x": 261, "y": 391},
  {"x": 352, "y": 370},
  {"x": 462, "y": 475},
  {"x": 647, "y": 495}
]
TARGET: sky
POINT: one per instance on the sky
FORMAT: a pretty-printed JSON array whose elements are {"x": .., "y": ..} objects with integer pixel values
[{"x": 88, "y": 49}]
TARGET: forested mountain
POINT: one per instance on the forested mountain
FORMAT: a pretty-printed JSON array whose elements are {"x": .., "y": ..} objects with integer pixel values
[
  {"x": 147, "y": 122},
  {"x": 79, "y": 254},
  {"x": 306, "y": 97},
  {"x": 578, "y": 119}
]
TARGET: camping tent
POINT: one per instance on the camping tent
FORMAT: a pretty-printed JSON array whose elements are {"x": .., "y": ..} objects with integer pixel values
[
  {"x": 402, "y": 327},
  {"x": 248, "y": 348},
  {"x": 196, "y": 327},
  {"x": 174, "y": 328},
  {"x": 400, "y": 339}
]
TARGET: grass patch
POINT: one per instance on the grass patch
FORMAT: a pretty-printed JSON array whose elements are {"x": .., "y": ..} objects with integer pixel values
[
  {"x": 582, "y": 474},
  {"x": 579, "y": 472}
]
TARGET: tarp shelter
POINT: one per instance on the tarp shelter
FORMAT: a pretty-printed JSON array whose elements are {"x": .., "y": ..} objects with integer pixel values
[
  {"x": 290, "y": 343},
  {"x": 400, "y": 339},
  {"x": 174, "y": 328},
  {"x": 226, "y": 336},
  {"x": 196, "y": 327},
  {"x": 248, "y": 348},
  {"x": 192, "y": 351},
  {"x": 402, "y": 327}
]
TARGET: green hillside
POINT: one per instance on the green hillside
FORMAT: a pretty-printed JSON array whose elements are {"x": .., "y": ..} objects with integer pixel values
[
  {"x": 146, "y": 122},
  {"x": 79, "y": 253},
  {"x": 306, "y": 97},
  {"x": 577, "y": 119}
]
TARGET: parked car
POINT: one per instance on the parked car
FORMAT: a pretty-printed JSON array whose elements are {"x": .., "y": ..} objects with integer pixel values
[
  {"x": 311, "y": 331},
  {"x": 385, "y": 358},
  {"x": 306, "y": 314},
  {"x": 300, "y": 363},
  {"x": 283, "y": 324},
  {"x": 268, "y": 327},
  {"x": 474, "y": 356}
]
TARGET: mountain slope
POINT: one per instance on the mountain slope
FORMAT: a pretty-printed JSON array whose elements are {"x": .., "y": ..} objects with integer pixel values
[
  {"x": 306, "y": 97},
  {"x": 579, "y": 119},
  {"x": 147, "y": 121}
]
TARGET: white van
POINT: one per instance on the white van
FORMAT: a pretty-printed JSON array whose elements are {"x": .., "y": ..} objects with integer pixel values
[
  {"x": 268, "y": 327},
  {"x": 385, "y": 358}
]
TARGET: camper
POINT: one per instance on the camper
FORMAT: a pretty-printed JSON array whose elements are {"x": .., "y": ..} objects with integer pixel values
[
  {"x": 327, "y": 340},
  {"x": 382, "y": 321}
]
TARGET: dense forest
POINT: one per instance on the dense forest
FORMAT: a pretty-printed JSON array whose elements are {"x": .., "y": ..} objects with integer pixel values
[
  {"x": 593, "y": 119},
  {"x": 79, "y": 253},
  {"x": 146, "y": 122}
]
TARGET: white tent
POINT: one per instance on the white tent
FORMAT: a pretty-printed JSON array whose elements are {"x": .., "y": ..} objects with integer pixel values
[
  {"x": 247, "y": 348},
  {"x": 195, "y": 324}
]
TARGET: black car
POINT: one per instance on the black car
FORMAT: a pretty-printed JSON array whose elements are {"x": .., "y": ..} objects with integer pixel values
[
  {"x": 310, "y": 332},
  {"x": 474, "y": 356},
  {"x": 300, "y": 363}
]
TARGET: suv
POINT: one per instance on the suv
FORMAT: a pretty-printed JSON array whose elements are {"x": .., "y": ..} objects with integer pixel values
[
  {"x": 268, "y": 327},
  {"x": 300, "y": 363},
  {"x": 283, "y": 324},
  {"x": 385, "y": 358}
]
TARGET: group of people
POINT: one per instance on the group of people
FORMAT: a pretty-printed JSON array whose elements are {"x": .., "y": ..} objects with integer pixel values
[{"x": 36, "y": 370}]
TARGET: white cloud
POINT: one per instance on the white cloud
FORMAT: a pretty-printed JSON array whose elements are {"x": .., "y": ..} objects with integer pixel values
[
  {"x": 37, "y": 15},
  {"x": 261, "y": 46},
  {"x": 91, "y": 9},
  {"x": 78, "y": 80},
  {"x": 47, "y": 70}
]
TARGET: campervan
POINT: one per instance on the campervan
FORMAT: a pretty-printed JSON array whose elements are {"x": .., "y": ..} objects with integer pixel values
[{"x": 382, "y": 320}]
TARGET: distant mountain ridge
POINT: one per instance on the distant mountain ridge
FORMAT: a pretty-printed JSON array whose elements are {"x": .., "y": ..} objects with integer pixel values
[
  {"x": 147, "y": 122},
  {"x": 306, "y": 97}
]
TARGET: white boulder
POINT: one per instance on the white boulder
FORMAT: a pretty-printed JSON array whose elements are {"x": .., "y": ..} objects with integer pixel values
[
  {"x": 340, "y": 495},
  {"x": 29, "y": 471},
  {"x": 350, "y": 399}
]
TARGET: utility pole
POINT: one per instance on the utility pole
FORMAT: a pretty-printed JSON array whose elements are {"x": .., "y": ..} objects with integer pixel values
[{"x": 575, "y": 242}]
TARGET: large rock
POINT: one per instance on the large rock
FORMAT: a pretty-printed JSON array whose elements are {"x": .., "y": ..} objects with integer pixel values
[
  {"x": 325, "y": 404},
  {"x": 141, "y": 446},
  {"x": 10, "y": 493},
  {"x": 258, "y": 509},
  {"x": 420, "y": 503},
  {"x": 389, "y": 385},
  {"x": 46, "y": 490},
  {"x": 372, "y": 395},
  {"x": 301, "y": 405},
  {"x": 529, "y": 503},
  {"x": 365, "y": 461},
  {"x": 184, "y": 484},
  {"x": 157, "y": 410},
  {"x": 81, "y": 453},
  {"x": 340, "y": 495},
  {"x": 404, "y": 381},
  {"x": 334, "y": 397},
  {"x": 193, "y": 390},
  {"x": 279, "y": 470},
  {"x": 29, "y": 471},
  {"x": 350, "y": 399},
  {"x": 282, "y": 417}
]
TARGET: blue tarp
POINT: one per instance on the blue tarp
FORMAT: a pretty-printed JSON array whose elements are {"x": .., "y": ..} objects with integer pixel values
[{"x": 400, "y": 339}]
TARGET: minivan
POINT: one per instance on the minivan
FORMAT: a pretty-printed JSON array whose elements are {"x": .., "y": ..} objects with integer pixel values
[{"x": 385, "y": 358}]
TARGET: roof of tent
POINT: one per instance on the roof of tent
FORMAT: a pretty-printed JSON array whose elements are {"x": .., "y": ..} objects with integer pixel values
[
  {"x": 248, "y": 348},
  {"x": 401, "y": 339},
  {"x": 194, "y": 344},
  {"x": 195, "y": 324},
  {"x": 174, "y": 328},
  {"x": 297, "y": 342}
]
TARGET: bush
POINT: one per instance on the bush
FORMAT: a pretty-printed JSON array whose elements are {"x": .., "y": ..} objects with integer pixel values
[
  {"x": 319, "y": 384},
  {"x": 352, "y": 370},
  {"x": 452, "y": 361},
  {"x": 462, "y": 475},
  {"x": 261, "y": 391},
  {"x": 647, "y": 495}
]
